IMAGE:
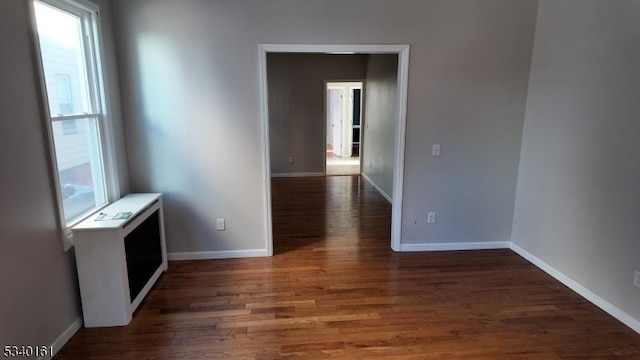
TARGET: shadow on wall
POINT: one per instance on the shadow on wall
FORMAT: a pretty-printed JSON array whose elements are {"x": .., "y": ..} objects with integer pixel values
[{"x": 171, "y": 159}]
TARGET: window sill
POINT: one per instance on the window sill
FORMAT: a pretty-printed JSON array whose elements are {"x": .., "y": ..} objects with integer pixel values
[{"x": 68, "y": 234}]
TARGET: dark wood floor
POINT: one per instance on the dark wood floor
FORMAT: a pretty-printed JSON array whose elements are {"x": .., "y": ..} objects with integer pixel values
[{"x": 334, "y": 289}]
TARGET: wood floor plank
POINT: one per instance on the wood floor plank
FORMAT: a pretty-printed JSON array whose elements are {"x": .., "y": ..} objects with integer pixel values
[{"x": 335, "y": 290}]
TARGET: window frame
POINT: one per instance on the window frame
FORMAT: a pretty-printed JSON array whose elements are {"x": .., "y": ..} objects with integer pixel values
[{"x": 89, "y": 14}]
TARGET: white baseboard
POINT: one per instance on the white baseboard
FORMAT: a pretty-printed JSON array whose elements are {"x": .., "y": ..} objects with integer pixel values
[
  {"x": 300, "y": 174},
  {"x": 581, "y": 290},
  {"x": 382, "y": 192},
  {"x": 455, "y": 246},
  {"x": 65, "y": 336},
  {"x": 226, "y": 254}
]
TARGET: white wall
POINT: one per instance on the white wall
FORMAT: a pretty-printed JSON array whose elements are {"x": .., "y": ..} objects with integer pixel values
[
  {"x": 381, "y": 118},
  {"x": 191, "y": 88},
  {"x": 577, "y": 206},
  {"x": 297, "y": 121},
  {"x": 39, "y": 297}
]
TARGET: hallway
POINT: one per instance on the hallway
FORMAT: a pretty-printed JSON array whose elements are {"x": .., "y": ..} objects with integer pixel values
[
  {"x": 326, "y": 216},
  {"x": 336, "y": 165}
]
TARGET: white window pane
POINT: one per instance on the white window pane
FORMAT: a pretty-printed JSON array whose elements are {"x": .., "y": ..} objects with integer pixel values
[
  {"x": 79, "y": 166},
  {"x": 69, "y": 69},
  {"x": 61, "y": 46}
]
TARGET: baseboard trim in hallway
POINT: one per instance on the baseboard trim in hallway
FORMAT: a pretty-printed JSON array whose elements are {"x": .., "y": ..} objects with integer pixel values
[
  {"x": 224, "y": 254},
  {"x": 587, "y": 294},
  {"x": 455, "y": 246},
  {"x": 372, "y": 183},
  {"x": 299, "y": 174},
  {"x": 603, "y": 304},
  {"x": 66, "y": 335}
]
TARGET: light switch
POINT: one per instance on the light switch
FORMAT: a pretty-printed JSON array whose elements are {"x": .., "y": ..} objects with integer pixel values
[
  {"x": 220, "y": 224},
  {"x": 436, "y": 150}
]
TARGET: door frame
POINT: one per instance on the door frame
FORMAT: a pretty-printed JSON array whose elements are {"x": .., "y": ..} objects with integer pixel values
[{"x": 400, "y": 127}]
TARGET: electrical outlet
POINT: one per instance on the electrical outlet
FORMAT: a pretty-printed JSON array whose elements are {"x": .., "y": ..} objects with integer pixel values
[
  {"x": 370, "y": 164},
  {"x": 431, "y": 218},
  {"x": 636, "y": 281},
  {"x": 290, "y": 159},
  {"x": 220, "y": 224},
  {"x": 436, "y": 150}
]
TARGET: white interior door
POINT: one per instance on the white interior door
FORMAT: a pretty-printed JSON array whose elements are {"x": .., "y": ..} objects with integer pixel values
[
  {"x": 340, "y": 112},
  {"x": 334, "y": 119},
  {"x": 347, "y": 122}
]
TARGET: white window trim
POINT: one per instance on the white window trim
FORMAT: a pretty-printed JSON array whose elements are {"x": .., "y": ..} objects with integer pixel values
[{"x": 105, "y": 123}]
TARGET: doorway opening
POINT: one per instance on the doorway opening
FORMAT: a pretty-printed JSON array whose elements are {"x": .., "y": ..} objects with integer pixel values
[
  {"x": 344, "y": 124},
  {"x": 399, "y": 127}
]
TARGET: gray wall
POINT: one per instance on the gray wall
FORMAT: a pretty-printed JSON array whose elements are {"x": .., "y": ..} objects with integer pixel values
[
  {"x": 39, "y": 288},
  {"x": 577, "y": 204},
  {"x": 191, "y": 84},
  {"x": 114, "y": 101},
  {"x": 381, "y": 118},
  {"x": 297, "y": 121}
]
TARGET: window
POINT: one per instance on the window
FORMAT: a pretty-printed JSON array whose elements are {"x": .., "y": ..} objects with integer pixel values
[
  {"x": 69, "y": 52},
  {"x": 63, "y": 93},
  {"x": 65, "y": 104}
]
